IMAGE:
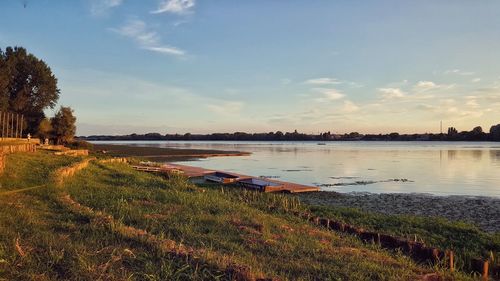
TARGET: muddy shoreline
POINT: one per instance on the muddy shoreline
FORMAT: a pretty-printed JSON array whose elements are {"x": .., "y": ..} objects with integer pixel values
[
  {"x": 484, "y": 212},
  {"x": 163, "y": 154}
]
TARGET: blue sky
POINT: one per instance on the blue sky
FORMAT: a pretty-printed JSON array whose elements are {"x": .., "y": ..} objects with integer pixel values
[{"x": 265, "y": 65}]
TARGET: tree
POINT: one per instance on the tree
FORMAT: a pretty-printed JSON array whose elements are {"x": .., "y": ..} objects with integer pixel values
[
  {"x": 63, "y": 125},
  {"x": 4, "y": 83},
  {"x": 27, "y": 86},
  {"x": 452, "y": 131},
  {"x": 45, "y": 129},
  {"x": 477, "y": 130},
  {"x": 495, "y": 132}
]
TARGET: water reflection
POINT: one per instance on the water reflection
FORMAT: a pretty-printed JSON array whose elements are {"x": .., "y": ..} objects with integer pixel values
[{"x": 428, "y": 167}]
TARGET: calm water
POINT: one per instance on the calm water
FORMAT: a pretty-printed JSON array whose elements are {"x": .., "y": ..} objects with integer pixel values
[{"x": 440, "y": 168}]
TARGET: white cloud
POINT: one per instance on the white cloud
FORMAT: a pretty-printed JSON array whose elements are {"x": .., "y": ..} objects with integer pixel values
[
  {"x": 167, "y": 50},
  {"x": 472, "y": 103},
  {"x": 323, "y": 81},
  {"x": 349, "y": 107},
  {"x": 146, "y": 38},
  {"x": 423, "y": 86},
  {"x": 459, "y": 72},
  {"x": 475, "y": 80},
  {"x": 391, "y": 93},
  {"x": 329, "y": 94},
  {"x": 174, "y": 6},
  {"x": 101, "y": 7}
]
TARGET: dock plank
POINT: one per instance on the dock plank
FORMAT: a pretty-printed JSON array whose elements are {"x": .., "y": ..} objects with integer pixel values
[{"x": 191, "y": 171}]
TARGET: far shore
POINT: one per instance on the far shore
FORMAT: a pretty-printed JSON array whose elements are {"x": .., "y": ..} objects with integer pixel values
[
  {"x": 484, "y": 212},
  {"x": 162, "y": 154}
]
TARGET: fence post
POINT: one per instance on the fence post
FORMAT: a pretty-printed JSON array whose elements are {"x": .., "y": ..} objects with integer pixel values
[
  {"x": 2, "y": 117},
  {"x": 22, "y": 125},
  {"x": 7, "y": 129},
  {"x": 17, "y": 126},
  {"x": 12, "y": 127},
  {"x": 3, "y": 125},
  {"x": 11, "y": 120}
]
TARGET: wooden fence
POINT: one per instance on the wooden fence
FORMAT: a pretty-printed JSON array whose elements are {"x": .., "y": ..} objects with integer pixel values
[{"x": 11, "y": 125}]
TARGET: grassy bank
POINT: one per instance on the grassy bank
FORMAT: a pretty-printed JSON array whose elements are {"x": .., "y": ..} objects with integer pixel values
[
  {"x": 466, "y": 240},
  {"x": 41, "y": 239}
]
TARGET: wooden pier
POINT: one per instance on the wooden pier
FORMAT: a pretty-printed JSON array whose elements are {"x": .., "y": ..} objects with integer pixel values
[{"x": 197, "y": 172}]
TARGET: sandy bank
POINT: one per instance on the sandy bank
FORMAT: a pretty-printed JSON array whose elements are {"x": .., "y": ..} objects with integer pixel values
[{"x": 481, "y": 211}]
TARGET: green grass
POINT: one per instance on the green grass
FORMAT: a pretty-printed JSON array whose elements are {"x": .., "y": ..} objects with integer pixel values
[
  {"x": 252, "y": 229},
  {"x": 58, "y": 245}
]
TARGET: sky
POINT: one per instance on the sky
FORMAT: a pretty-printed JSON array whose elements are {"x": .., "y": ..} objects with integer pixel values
[{"x": 203, "y": 66}]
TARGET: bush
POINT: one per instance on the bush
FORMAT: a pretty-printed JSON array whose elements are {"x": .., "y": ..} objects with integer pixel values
[{"x": 80, "y": 144}]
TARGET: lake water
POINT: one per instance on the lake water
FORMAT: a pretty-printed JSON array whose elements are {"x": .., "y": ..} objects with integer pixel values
[{"x": 439, "y": 168}]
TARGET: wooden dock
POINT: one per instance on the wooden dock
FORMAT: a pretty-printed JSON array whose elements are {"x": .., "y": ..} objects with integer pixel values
[{"x": 197, "y": 172}]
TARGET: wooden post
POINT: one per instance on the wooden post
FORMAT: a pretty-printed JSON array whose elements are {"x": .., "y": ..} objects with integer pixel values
[
  {"x": 22, "y": 125},
  {"x": 17, "y": 125},
  {"x": 14, "y": 125},
  {"x": 7, "y": 129},
  {"x": 11, "y": 125},
  {"x": 451, "y": 260},
  {"x": 1, "y": 122}
]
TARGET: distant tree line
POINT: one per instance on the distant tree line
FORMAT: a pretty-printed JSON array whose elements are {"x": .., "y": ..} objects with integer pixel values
[
  {"x": 28, "y": 87},
  {"x": 475, "y": 134}
]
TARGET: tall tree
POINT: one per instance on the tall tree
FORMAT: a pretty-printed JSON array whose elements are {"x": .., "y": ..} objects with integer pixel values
[
  {"x": 27, "y": 85},
  {"x": 4, "y": 83},
  {"x": 63, "y": 125}
]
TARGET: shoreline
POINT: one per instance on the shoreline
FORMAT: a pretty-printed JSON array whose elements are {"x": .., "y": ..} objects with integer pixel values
[
  {"x": 163, "y": 154},
  {"x": 482, "y": 211}
]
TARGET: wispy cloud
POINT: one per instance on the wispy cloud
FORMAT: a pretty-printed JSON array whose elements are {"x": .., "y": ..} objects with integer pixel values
[
  {"x": 174, "y": 6},
  {"x": 101, "y": 7},
  {"x": 167, "y": 50},
  {"x": 329, "y": 94},
  {"x": 459, "y": 72},
  {"x": 323, "y": 81},
  {"x": 226, "y": 107},
  {"x": 391, "y": 93},
  {"x": 349, "y": 107},
  {"x": 475, "y": 80},
  {"x": 423, "y": 86},
  {"x": 146, "y": 38}
]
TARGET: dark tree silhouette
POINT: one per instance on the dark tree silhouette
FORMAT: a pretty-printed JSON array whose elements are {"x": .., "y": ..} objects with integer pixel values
[
  {"x": 27, "y": 86},
  {"x": 495, "y": 132}
]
